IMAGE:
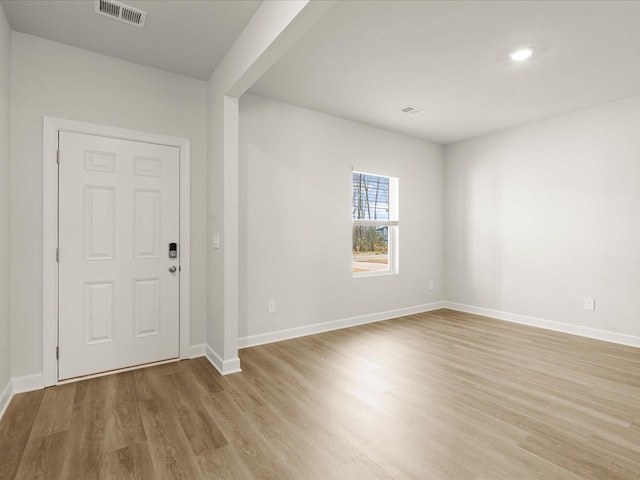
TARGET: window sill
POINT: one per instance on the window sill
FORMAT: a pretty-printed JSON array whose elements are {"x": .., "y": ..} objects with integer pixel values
[{"x": 374, "y": 274}]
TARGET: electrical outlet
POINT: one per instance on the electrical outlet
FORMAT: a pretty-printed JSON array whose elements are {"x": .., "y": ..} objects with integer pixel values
[
  {"x": 271, "y": 306},
  {"x": 431, "y": 285},
  {"x": 589, "y": 303}
]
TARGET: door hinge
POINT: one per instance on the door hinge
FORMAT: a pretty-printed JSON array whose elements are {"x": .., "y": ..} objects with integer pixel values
[
  {"x": 57, "y": 255},
  {"x": 57, "y": 353},
  {"x": 58, "y": 157}
]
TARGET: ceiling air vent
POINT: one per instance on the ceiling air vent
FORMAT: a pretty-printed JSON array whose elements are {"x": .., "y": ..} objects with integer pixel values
[
  {"x": 121, "y": 12},
  {"x": 411, "y": 110}
]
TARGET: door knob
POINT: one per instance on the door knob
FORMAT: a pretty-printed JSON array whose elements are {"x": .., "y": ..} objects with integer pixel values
[{"x": 172, "y": 269}]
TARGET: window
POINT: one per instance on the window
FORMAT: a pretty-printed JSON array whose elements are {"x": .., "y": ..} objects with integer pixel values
[{"x": 375, "y": 224}]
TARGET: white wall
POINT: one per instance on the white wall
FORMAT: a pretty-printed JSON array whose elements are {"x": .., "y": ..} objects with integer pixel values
[
  {"x": 295, "y": 217},
  {"x": 49, "y": 78},
  {"x": 5, "y": 151},
  {"x": 215, "y": 221},
  {"x": 541, "y": 216},
  {"x": 272, "y": 30}
]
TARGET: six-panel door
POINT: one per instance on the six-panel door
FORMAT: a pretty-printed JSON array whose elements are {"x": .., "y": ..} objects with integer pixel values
[{"x": 118, "y": 213}]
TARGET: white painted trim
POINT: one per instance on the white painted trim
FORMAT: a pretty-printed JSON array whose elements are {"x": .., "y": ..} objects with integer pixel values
[
  {"x": 49, "y": 244},
  {"x": 27, "y": 383},
  {"x": 224, "y": 367},
  {"x": 5, "y": 397},
  {"x": 52, "y": 127},
  {"x": 279, "y": 335},
  {"x": 579, "y": 330},
  {"x": 198, "y": 350}
]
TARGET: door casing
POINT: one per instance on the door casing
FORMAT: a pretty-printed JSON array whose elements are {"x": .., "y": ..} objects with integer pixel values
[{"x": 52, "y": 126}]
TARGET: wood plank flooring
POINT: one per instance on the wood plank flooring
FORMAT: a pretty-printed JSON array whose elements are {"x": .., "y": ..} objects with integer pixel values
[{"x": 440, "y": 395}]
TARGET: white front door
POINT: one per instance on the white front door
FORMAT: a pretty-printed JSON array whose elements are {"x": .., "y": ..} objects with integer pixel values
[{"x": 118, "y": 285}]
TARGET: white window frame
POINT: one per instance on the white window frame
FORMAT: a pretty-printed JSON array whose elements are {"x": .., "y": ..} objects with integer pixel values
[{"x": 393, "y": 224}]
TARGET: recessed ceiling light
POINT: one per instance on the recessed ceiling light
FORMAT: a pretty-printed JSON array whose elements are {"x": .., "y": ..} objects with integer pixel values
[{"x": 520, "y": 55}]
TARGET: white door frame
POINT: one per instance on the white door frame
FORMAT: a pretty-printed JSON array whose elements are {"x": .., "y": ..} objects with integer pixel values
[{"x": 52, "y": 126}]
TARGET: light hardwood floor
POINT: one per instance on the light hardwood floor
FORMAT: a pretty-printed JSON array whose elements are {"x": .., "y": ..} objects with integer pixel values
[{"x": 440, "y": 395}]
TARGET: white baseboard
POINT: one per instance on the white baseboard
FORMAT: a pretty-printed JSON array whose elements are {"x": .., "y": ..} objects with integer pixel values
[
  {"x": 277, "y": 336},
  {"x": 581, "y": 331},
  {"x": 198, "y": 350},
  {"x": 224, "y": 367},
  {"x": 5, "y": 397},
  {"x": 28, "y": 383}
]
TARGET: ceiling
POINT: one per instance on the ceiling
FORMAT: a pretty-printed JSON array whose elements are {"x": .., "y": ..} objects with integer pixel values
[
  {"x": 365, "y": 60},
  {"x": 180, "y": 36}
]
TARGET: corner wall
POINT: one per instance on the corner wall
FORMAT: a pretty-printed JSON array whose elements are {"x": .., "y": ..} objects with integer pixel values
[
  {"x": 272, "y": 30},
  {"x": 540, "y": 216},
  {"x": 5, "y": 208},
  {"x": 295, "y": 220},
  {"x": 50, "y": 78}
]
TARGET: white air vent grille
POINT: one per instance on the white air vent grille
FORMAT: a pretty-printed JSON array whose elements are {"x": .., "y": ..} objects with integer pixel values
[
  {"x": 121, "y": 12},
  {"x": 411, "y": 110}
]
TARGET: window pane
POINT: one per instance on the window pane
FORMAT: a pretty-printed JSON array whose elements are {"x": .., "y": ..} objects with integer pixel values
[
  {"x": 375, "y": 214},
  {"x": 370, "y": 197},
  {"x": 370, "y": 248}
]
